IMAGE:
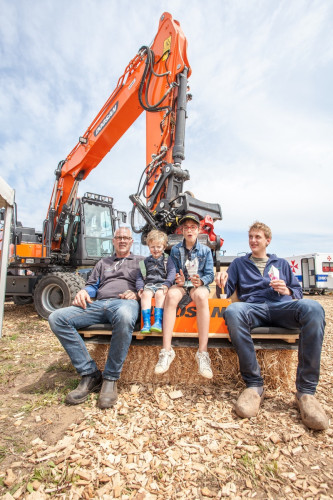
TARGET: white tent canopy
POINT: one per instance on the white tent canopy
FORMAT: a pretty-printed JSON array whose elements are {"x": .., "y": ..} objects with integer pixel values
[{"x": 7, "y": 202}]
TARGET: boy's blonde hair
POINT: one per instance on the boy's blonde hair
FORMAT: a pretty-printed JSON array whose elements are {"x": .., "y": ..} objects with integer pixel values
[
  {"x": 260, "y": 226},
  {"x": 156, "y": 235}
]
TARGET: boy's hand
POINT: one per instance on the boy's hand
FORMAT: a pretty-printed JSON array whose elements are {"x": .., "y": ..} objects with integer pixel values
[
  {"x": 280, "y": 287},
  {"x": 221, "y": 278},
  {"x": 140, "y": 292},
  {"x": 165, "y": 289},
  {"x": 180, "y": 278},
  {"x": 196, "y": 280},
  {"x": 81, "y": 299}
]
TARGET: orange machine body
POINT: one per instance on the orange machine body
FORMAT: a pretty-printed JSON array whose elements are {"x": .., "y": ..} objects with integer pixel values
[
  {"x": 186, "y": 319},
  {"x": 33, "y": 250}
]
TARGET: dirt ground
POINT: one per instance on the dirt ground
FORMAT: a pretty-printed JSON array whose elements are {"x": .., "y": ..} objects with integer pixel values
[{"x": 171, "y": 438}]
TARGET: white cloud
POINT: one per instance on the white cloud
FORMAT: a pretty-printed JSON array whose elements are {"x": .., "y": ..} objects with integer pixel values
[{"x": 258, "y": 138}]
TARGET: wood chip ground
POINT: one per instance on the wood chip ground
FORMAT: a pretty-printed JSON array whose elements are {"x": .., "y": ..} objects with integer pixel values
[{"x": 174, "y": 437}]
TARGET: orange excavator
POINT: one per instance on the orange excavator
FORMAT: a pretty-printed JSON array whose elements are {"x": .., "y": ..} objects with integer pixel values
[{"x": 78, "y": 231}]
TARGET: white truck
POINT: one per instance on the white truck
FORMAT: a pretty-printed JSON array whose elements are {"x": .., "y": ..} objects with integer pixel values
[{"x": 314, "y": 271}]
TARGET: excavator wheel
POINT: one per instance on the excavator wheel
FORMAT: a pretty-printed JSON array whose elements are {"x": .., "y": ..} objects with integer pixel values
[
  {"x": 56, "y": 290},
  {"x": 22, "y": 300}
]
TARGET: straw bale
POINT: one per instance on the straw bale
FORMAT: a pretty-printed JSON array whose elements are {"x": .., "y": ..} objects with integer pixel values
[{"x": 278, "y": 367}]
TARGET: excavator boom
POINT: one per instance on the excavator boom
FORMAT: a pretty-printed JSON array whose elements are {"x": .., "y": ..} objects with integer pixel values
[{"x": 151, "y": 83}]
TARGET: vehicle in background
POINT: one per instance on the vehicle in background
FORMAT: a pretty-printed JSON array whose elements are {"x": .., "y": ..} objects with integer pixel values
[
  {"x": 314, "y": 271},
  {"x": 52, "y": 279}
]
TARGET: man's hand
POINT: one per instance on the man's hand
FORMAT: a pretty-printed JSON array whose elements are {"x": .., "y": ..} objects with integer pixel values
[
  {"x": 165, "y": 289},
  {"x": 128, "y": 295},
  {"x": 180, "y": 278},
  {"x": 221, "y": 278},
  {"x": 81, "y": 299},
  {"x": 140, "y": 292},
  {"x": 280, "y": 287},
  {"x": 196, "y": 280}
]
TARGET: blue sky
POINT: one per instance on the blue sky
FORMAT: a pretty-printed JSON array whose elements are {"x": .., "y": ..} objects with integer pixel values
[{"x": 260, "y": 125}]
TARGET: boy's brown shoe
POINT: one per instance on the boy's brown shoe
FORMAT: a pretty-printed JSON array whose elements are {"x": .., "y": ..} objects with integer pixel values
[
  {"x": 312, "y": 413},
  {"x": 248, "y": 403}
]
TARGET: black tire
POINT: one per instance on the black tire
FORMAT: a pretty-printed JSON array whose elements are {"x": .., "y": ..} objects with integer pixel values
[
  {"x": 56, "y": 290},
  {"x": 21, "y": 300}
]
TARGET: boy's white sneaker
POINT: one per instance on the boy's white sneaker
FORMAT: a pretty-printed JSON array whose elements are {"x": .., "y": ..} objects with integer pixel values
[
  {"x": 203, "y": 361},
  {"x": 164, "y": 361}
]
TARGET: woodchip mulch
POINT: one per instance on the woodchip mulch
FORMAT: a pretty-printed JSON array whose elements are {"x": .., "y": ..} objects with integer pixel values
[{"x": 178, "y": 437}]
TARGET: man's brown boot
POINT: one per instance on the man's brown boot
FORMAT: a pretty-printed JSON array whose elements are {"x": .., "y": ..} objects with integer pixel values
[
  {"x": 248, "y": 403},
  {"x": 108, "y": 395},
  {"x": 312, "y": 413},
  {"x": 88, "y": 384}
]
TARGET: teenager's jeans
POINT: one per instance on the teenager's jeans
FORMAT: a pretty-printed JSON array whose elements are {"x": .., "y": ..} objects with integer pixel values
[
  {"x": 122, "y": 314},
  {"x": 308, "y": 315}
]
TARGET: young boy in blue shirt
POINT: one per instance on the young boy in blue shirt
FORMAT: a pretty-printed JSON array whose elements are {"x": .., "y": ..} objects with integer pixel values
[{"x": 157, "y": 274}]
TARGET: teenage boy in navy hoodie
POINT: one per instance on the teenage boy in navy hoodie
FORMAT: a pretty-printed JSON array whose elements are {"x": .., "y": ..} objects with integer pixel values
[{"x": 269, "y": 294}]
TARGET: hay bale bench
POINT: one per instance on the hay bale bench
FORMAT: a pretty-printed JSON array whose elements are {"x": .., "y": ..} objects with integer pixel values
[{"x": 276, "y": 348}]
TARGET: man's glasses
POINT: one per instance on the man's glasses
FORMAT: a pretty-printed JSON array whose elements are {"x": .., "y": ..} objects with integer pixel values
[{"x": 125, "y": 238}]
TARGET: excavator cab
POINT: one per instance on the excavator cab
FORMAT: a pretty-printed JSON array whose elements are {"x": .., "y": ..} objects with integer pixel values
[{"x": 93, "y": 229}]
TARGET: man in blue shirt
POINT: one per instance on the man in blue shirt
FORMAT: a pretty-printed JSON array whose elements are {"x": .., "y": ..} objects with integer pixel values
[{"x": 266, "y": 287}]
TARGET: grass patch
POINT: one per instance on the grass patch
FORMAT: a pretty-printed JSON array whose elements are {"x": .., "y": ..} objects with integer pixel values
[
  {"x": 248, "y": 464},
  {"x": 15, "y": 444},
  {"x": 272, "y": 469},
  {"x": 3, "y": 453},
  {"x": 50, "y": 476},
  {"x": 9, "y": 371},
  {"x": 60, "y": 366},
  {"x": 48, "y": 397}
]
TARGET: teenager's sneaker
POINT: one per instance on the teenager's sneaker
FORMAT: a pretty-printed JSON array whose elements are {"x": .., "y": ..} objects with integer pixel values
[
  {"x": 164, "y": 361},
  {"x": 203, "y": 361}
]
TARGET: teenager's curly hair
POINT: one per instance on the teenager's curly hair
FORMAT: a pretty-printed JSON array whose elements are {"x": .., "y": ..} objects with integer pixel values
[{"x": 260, "y": 226}]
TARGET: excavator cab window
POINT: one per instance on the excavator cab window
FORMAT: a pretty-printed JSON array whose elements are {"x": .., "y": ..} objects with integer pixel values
[{"x": 98, "y": 230}]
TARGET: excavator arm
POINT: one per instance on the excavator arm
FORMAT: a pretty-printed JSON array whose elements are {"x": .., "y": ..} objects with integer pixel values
[{"x": 155, "y": 81}]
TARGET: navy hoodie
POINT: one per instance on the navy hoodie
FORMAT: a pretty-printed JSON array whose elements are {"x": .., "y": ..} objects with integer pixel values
[{"x": 245, "y": 278}]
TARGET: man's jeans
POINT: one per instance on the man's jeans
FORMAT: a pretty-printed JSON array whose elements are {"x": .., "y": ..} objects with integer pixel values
[
  {"x": 122, "y": 314},
  {"x": 308, "y": 315}
]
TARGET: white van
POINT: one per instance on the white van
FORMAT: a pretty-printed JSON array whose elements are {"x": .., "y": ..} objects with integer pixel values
[{"x": 314, "y": 271}]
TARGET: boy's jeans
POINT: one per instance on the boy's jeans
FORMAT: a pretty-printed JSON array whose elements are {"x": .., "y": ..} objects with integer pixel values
[
  {"x": 308, "y": 315},
  {"x": 122, "y": 314}
]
